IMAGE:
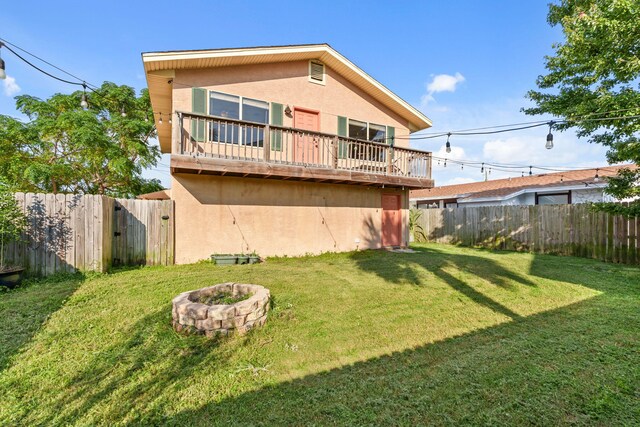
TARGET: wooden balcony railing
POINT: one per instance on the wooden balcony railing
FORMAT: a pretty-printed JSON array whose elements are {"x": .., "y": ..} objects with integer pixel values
[{"x": 215, "y": 137}]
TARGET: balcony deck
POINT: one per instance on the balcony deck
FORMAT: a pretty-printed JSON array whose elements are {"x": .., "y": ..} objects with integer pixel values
[{"x": 215, "y": 146}]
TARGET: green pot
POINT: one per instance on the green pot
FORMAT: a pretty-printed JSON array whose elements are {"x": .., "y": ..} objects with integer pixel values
[
  {"x": 224, "y": 259},
  {"x": 243, "y": 259}
]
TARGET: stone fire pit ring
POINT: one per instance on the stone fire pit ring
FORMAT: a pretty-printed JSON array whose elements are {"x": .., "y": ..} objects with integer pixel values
[{"x": 221, "y": 319}]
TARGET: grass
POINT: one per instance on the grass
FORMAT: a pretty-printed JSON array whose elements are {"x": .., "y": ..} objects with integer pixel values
[
  {"x": 444, "y": 336},
  {"x": 222, "y": 298}
]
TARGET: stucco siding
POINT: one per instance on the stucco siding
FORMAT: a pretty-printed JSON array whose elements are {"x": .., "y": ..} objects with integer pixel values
[
  {"x": 271, "y": 217},
  {"x": 287, "y": 83}
]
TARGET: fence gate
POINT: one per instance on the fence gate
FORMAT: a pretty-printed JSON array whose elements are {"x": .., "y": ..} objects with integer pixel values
[{"x": 143, "y": 232}]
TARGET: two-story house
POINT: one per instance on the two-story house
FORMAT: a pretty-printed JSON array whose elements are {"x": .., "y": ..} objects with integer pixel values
[{"x": 283, "y": 150}]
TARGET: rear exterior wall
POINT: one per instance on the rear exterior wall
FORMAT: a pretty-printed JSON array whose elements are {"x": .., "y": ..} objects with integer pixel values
[
  {"x": 270, "y": 217},
  {"x": 287, "y": 83}
]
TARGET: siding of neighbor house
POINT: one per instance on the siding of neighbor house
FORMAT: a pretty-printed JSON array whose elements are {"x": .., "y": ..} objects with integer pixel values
[
  {"x": 577, "y": 196},
  {"x": 273, "y": 217}
]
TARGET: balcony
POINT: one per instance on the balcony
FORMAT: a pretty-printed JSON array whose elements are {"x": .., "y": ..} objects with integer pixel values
[{"x": 216, "y": 146}]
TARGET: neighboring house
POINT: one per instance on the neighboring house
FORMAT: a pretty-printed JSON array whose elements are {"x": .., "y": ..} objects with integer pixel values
[
  {"x": 283, "y": 151},
  {"x": 577, "y": 186}
]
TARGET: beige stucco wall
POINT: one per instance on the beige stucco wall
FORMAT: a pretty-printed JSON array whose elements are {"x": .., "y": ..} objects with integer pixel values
[
  {"x": 287, "y": 83},
  {"x": 271, "y": 217}
]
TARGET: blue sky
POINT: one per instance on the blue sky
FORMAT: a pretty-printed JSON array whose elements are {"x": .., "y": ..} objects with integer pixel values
[{"x": 465, "y": 64}]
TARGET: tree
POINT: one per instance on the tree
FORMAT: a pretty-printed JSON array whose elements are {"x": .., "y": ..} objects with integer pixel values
[
  {"x": 593, "y": 83},
  {"x": 63, "y": 148},
  {"x": 13, "y": 222}
]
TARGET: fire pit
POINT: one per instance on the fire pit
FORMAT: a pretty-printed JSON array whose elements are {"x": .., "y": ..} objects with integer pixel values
[{"x": 221, "y": 309}]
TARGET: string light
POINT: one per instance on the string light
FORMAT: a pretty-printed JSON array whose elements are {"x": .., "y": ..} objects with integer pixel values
[
  {"x": 596, "y": 178},
  {"x": 448, "y": 145},
  {"x": 530, "y": 173},
  {"x": 549, "y": 144},
  {"x": 160, "y": 120},
  {"x": 3, "y": 74},
  {"x": 83, "y": 102},
  {"x": 122, "y": 112}
]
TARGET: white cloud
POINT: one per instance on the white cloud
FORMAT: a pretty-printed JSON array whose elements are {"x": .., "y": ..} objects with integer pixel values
[
  {"x": 441, "y": 83},
  {"x": 458, "y": 180},
  {"x": 445, "y": 83},
  {"x": 10, "y": 86}
]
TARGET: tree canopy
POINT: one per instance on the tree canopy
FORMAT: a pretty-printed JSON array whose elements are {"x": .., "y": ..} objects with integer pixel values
[
  {"x": 64, "y": 148},
  {"x": 593, "y": 82}
]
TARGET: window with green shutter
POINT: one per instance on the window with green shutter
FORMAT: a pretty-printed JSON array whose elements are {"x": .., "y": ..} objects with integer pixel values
[
  {"x": 277, "y": 119},
  {"x": 391, "y": 133},
  {"x": 198, "y": 106}
]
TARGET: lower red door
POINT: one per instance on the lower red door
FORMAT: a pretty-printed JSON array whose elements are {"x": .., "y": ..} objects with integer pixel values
[{"x": 391, "y": 220}]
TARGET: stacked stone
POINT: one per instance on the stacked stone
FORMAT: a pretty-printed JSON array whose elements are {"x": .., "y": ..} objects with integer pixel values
[{"x": 222, "y": 319}]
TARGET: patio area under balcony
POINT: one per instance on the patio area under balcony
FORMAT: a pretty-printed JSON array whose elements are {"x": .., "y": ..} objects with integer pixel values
[{"x": 216, "y": 146}]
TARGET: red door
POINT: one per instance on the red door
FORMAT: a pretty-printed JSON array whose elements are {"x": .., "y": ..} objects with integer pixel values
[
  {"x": 306, "y": 148},
  {"x": 391, "y": 220}
]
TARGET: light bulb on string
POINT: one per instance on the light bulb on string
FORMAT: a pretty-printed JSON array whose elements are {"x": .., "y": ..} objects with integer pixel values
[
  {"x": 448, "y": 144},
  {"x": 597, "y": 177},
  {"x": 160, "y": 120},
  {"x": 530, "y": 173},
  {"x": 549, "y": 144},
  {"x": 122, "y": 112},
  {"x": 482, "y": 168},
  {"x": 3, "y": 73},
  {"x": 83, "y": 102}
]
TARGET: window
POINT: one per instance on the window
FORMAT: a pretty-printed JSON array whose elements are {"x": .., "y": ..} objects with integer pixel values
[
  {"x": 237, "y": 108},
  {"x": 258, "y": 112},
  {"x": 357, "y": 130},
  {"x": 316, "y": 72},
  {"x": 367, "y": 132},
  {"x": 553, "y": 198},
  {"x": 377, "y": 133}
]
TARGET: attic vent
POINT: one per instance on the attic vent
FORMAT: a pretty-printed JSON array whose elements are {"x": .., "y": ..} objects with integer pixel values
[{"x": 316, "y": 72}]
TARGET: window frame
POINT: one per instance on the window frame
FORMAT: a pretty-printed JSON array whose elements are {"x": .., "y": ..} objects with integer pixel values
[
  {"x": 557, "y": 193},
  {"x": 241, "y": 131},
  {"x": 322, "y": 82},
  {"x": 367, "y": 131}
]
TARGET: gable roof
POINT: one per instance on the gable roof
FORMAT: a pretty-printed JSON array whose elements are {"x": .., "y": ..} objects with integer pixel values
[
  {"x": 499, "y": 189},
  {"x": 159, "y": 69}
]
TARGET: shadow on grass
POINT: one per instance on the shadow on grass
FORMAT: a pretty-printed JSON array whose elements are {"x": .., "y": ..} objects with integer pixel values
[
  {"x": 120, "y": 373},
  {"x": 561, "y": 366},
  {"x": 24, "y": 310},
  {"x": 402, "y": 268}
]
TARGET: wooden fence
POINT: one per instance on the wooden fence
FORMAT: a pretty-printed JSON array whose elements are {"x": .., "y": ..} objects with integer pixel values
[
  {"x": 70, "y": 232},
  {"x": 559, "y": 229}
]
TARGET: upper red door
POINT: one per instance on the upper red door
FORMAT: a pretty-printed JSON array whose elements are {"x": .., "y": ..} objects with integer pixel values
[
  {"x": 306, "y": 148},
  {"x": 391, "y": 220}
]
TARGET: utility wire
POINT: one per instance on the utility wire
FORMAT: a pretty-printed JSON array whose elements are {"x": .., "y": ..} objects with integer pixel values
[
  {"x": 41, "y": 70},
  {"x": 45, "y": 61}
]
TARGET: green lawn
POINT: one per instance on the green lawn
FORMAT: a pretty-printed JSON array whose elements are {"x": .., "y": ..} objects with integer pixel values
[{"x": 444, "y": 336}]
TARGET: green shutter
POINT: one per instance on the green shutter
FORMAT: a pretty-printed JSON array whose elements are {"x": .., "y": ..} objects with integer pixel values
[
  {"x": 198, "y": 106},
  {"x": 391, "y": 133},
  {"x": 277, "y": 119},
  {"x": 342, "y": 131}
]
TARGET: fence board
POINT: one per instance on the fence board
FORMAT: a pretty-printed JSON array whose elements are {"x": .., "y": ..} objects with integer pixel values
[
  {"x": 562, "y": 229},
  {"x": 67, "y": 233}
]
